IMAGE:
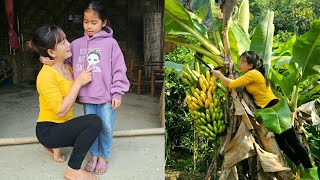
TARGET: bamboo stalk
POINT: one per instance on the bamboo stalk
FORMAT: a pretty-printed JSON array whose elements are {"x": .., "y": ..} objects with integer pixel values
[
  {"x": 152, "y": 81},
  {"x": 131, "y": 72},
  {"x": 120, "y": 133},
  {"x": 139, "y": 82}
]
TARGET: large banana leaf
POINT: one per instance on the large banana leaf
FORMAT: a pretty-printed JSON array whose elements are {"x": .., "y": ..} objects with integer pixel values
[
  {"x": 287, "y": 46},
  {"x": 202, "y": 8},
  {"x": 216, "y": 12},
  {"x": 305, "y": 98},
  {"x": 243, "y": 16},
  {"x": 173, "y": 7},
  {"x": 185, "y": 17},
  {"x": 179, "y": 16},
  {"x": 312, "y": 89},
  {"x": 233, "y": 46},
  {"x": 306, "y": 51},
  {"x": 280, "y": 80},
  {"x": 281, "y": 61},
  {"x": 262, "y": 38},
  {"x": 242, "y": 39},
  {"x": 176, "y": 66},
  {"x": 277, "y": 118},
  {"x": 285, "y": 81},
  {"x": 282, "y": 56},
  {"x": 208, "y": 12}
]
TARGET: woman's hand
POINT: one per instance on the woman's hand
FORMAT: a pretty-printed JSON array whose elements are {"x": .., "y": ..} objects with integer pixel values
[
  {"x": 84, "y": 77},
  {"x": 216, "y": 73},
  {"x": 223, "y": 79},
  {"x": 46, "y": 61},
  {"x": 116, "y": 103}
]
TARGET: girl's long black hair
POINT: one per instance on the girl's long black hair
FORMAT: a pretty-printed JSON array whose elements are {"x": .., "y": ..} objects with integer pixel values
[{"x": 257, "y": 63}]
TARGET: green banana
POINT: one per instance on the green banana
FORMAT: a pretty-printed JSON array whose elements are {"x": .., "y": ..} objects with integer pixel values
[
  {"x": 196, "y": 74},
  {"x": 204, "y": 122},
  {"x": 197, "y": 66},
  {"x": 210, "y": 127}
]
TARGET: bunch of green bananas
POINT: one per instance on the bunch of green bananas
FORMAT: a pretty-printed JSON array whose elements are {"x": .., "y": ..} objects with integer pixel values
[{"x": 203, "y": 103}]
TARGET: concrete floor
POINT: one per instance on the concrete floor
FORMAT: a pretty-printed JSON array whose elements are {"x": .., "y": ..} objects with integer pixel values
[{"x": 138, "y": 157}]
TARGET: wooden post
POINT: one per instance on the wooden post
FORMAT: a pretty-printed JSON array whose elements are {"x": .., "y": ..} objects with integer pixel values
[
  {"x": 152, "y": 81},
  {"x": 139, "y": 81},
  {"x": 162, "y": 106},
  {"x": 131, "y": 72}
]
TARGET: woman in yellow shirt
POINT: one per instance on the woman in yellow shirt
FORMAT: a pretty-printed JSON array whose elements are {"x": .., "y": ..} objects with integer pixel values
[
  {"x": 58, "y": 91},
  {"x": 257, "y": 84}
]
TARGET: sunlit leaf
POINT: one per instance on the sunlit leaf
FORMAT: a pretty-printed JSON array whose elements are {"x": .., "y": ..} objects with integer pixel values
[
  {"x": 262, "y": 38},
  {"x": 306, "y": 51},
  {"x": 277, "y": 118},
  {"x": 244, "y": 16}
]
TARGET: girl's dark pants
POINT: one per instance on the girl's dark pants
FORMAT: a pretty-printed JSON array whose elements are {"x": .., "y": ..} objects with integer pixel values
[
  {"x": 290, "y": 144},
  {"x": 79, "y": 132}
]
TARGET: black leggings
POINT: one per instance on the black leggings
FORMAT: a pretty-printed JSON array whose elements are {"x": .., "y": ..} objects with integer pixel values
[
  {"x": 79, "y": 132},
  {"x": 290, "y": 144}
]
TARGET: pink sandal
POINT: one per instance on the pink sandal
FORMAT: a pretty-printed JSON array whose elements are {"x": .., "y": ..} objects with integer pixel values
[
  {"x": 102, "y": 166},
  {"x": 91, "y": 166}
]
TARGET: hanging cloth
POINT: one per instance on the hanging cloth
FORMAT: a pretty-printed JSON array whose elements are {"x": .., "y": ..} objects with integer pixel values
[{"x": 13, "y": 38}]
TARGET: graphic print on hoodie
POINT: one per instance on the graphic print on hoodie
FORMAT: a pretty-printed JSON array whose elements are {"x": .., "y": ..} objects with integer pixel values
[
  {"x": 102, "y": 52},
  {"x": 94, "y": 58}
]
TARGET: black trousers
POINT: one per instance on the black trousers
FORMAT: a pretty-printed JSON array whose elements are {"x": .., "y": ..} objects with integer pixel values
[
  {"x": 79, "y": 132},
  {"x": 290, "y": 144}
]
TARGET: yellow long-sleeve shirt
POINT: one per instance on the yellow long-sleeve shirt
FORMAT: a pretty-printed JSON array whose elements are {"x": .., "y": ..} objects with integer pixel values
[
  {"x": 52, "y": 88},
  {"x": 255, "y": 84}
]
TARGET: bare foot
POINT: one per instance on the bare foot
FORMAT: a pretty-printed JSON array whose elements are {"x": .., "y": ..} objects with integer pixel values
[
  {"x": 91, "y": 165},
  {"x": 57, "y": 156},
  {"x": 102, "y": 166},
  {"x": 55, "y": 153},
  {"x": 72, "y": 174}
]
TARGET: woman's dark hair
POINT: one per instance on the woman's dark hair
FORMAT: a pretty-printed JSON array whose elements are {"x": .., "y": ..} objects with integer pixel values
[
  {"x": 44, "y": 38},
  {"x": 99, "y": 8},
  {"x": 257, "y": 63}
]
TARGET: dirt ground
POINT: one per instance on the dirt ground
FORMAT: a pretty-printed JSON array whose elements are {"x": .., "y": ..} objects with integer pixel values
[{"x": 136, "y": 157}]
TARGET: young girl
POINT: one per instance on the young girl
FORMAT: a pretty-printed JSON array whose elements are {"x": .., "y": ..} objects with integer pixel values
[
  {"x": 58, "y": 91},
  {"x": 99, "y": 50},
  {"x": 257, "y": 84}
]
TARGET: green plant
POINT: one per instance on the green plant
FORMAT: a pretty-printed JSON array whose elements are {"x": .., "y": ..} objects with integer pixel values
[
  {"x": 313, "y": 137},
  {"x": 291, "y": 16},
  {"x": 181, "y": 55}
]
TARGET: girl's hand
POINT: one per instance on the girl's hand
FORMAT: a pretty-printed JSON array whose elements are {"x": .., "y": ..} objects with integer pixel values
[
  {"x": 84, "y": 77},
  {"x": 116, "y": 103},
  {"x": 216, "y": 73},
  {"x": 46, "y": 61}
]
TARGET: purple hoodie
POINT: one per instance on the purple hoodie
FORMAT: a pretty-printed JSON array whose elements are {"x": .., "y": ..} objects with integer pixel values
[{"x": 103, "y": 53}]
